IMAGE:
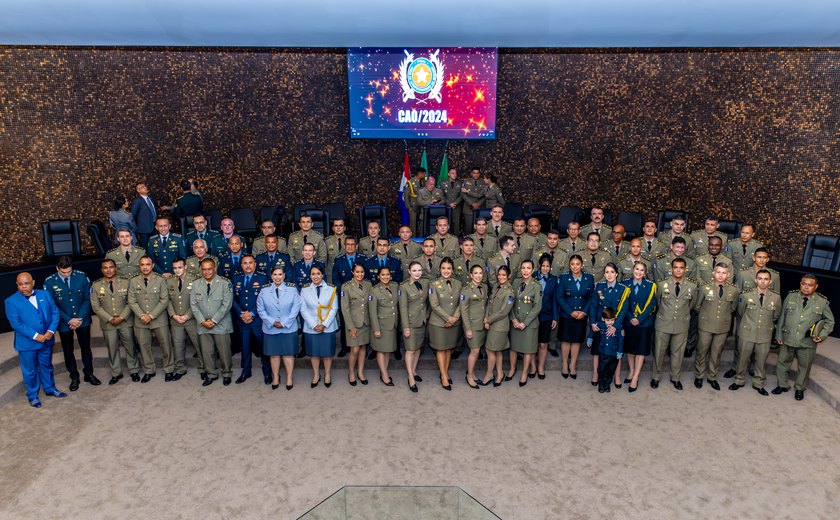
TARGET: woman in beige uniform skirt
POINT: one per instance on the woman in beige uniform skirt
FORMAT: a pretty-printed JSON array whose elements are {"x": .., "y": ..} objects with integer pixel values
[
  {"x": 473, "y": 307},
  {"x": 525, "y": 324},
  {"x": 355, "y": 295},
  {"x": 497, "y": 324},
  {"x": 444, "y": 330},
  {"x": 383, "y": 308},
  {"x": 414, "y": 313}
]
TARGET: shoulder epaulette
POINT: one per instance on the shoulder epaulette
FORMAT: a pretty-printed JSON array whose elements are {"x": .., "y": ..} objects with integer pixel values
[
  {"x": 191, "y": 257},
  {"x": 622, "y": 257},
  {"x": 771, "y": 290},
  {"x": 290, "y": 284},
  {"x": 731, "y": 284},
  {"x": 112, "y": 250},
  {"x": 268, "y": 284},
  {"x": 328, "y": 284},
  {"x": 793, "y": 291},
  {"x": 307, "y": 285},
  {"x": 176, "y": 235},
  {"x": 822, "y": 296},
  {"x": 317, "y": 233},
  {"x": 692, "y": 280},
  {"x": 97, "y": 280},
  {"x": 661, "y": 255},
  {"x": 76, "y": 271}
]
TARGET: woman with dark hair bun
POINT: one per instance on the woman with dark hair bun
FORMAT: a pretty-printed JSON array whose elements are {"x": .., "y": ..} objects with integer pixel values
[
  {"x": 120, "y": 218},
  {"x": 574, "y": 292},
  {"x": 444, "y": 330},
  {"x": 497, "y": 324}
]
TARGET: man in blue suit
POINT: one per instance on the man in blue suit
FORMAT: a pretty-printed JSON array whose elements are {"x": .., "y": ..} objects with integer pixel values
[
  {"x": 383, "y": 259},
  {"x": 144, "y": 213},
  {"x": 34, "y": 318},
  {"x": 246, "y": 289}
]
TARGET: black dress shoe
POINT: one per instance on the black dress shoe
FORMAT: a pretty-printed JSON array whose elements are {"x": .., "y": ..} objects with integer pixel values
[
  {"x": 329, "y": 383},
  {"x": 654, "y": 383},
  {"x": 779, "y": 390},
  {"x": 627, "y": 380},
  {"x": 413, "y": 388},
  {"x": 301, "y": 354},
  {"x": 275, "y": 387},
  {"x": 736, "y": 386},
  {"x": 352, "y": 383},
  {"x": 313, "y": 385},
  {"x": 689, "y": 353},
  {"x": 342, "y": 352},
  {"x": 289, "y": 387},
  {"x": 242, "y": 378},
  {"x": 565, "y": 376},
  {"x": 92, "y": 379},
  {"x": 390, "y": 381},
  {"x": 267, "y": 380},
  {"x": 677, "y": 385},
  {"x": 226, "y": 381},
  {"x": 532, "y": 375},
  {"x": 541, "y": 376},
  {"x": 509, "y": 377},
  {"x": 114, "y": 380},
  {"x": 207, "y": 381},
  {"x": 497, "y": 383},
  {"x": 417, "y": 378},
  {"x": 632, "y": 389},
  {"x": 365, "y": 381},
  {"x": 730, "y": 373},
  {"x": 714, "y": 384},
  {"x": 167, "y": 377},
  {"x": 799, "y": 395},
  {"x": 523, "y": 383},
  {"x": 698, "y": 383},
  {"x": 761, "y": 391},
  {"x": 594, "y": 383},
  {"x": 617, "y": 385},
  {"x": 147, "y": 378},
  {"x": 752, "y": 373},
  {"x": 135, "y": 377},
  {"x": 601, "y": 389},
  {"x": 607, "y": 388},
  {"x": 178, "y": 375},
  {"x": 573, "y": 376},
  {"x": 448, "y": 387},
  {"x": 553, "y": 352}
]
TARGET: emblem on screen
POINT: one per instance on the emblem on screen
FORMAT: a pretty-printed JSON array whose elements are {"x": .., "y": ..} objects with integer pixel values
[{"x": 421, "y": 77}]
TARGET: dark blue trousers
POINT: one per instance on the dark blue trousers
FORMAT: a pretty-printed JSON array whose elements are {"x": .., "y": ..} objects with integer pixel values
[{"x": 251, "y": 336}]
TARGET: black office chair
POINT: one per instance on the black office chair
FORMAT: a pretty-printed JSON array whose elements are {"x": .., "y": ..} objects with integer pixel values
[
  {"x": 633, "y": 222},
  {"x": 430, "y": 216},
  {"x": 298, "y": 210},
  {"x": 320, "y": 220},
  {"x": 568, "y": 214},
  {"x": 98, "y": 234},
  {"x": 214, "y": 218},
  {"x": 244, "y": 221},
  {"x": 336, "y": 211},
  {"x": 61, "y": 238},
  {"x": 185, "y": 224},
  {"x": 665, "y": 216},
  {"x": 822, "y": 252},
  {"x": 730, "y": 228},
  {"x": 540, "y": 212},
  {"x": 512, "y": 211},
  {"x": 482, "y": 213},
  {"x": 368, "y": 214}
]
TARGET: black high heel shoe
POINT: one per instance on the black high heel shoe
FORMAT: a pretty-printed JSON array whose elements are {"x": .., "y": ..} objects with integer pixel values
[
  {"x": 313, "y": 385},
  {"x": 594, "y": 383},
  {"x": 565, "y": 376},
  {"x": 631, "y": 389},
  {"x": 627, "y": 381},
  {"x": 541, "y": 376},
  {"x": 617, "y": 385},
  {"x": 275, "y": 387},
  {"x": 510, "y": 377},
  {"x": 289, "y": 387},
  {"x": 353, "y": 382},
  {"x": 417, "y": 378},
  {"x": 448, "y": 387},
  {"x": 532, "y": 375},
  {"x": 573, "y": 376},
  {"x": 523, "y": 383},
  {"x": 389, "y": 383},
  {"x": 363, "y": 381},
  {"x": 470, "y": 385}
]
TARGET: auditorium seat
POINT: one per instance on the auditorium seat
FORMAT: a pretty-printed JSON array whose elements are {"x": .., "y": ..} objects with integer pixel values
[
  {"x": 664, "y": 217},
  {"x": 98, "y": 234},
  {"x": 336, "y": 210},
  {"x": 481, "y": 213},
  {"x": 298, "y": 210},
  {"x": 368, "y": 214},
  {"x": 730, "y": 228},
  {"x": 633, "y": 222},
  {"x": 61, "y": 238},
  {"x": 430, "y": 216},
  {"x": 540, "y": 212},
  {"x": 185, "y": 224},
  {"x": 214, "y": 218},
  {"x": 822, "y": 252},
  {"x": 512, "y": 210},
  {"x": 320, "y": 220},
  {"x": 244, "y": 221},
  {"x": 568, "y": 214}
]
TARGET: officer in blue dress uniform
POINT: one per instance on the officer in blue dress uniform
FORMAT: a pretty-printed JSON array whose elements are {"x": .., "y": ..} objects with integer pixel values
[
  {"x": 343, "y": 272},
  {"x": 202, "y": 232},
  {"x": 266, "y": 262},
  {"x": 383, "y": 259},
  {"x": 300, "y": 274},
  {"x": 222, "y": 242},
  {"x": 165, "y": 247},
  {"x": 246, "y": 288},
  {"x": 70, "y": 290},
  {"x": 230, "y": 261},
  {"x": 613, "y": 295},
  {"x": 574, "y": 292}
]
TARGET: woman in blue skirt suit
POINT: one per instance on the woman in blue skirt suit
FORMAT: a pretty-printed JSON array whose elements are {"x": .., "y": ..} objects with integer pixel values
[
  {"x": 548, "y": 315},
  {"x": 319, "y": 310},
  {"x": 611, "y": 293},
  {"x": 574, "y": 291},
  {"x": 278, "y": 306},
  {"x": 638, "y": 322}
]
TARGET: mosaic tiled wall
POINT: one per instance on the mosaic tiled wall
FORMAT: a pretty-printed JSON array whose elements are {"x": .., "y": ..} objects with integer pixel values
[{"x": 751, "y": 135}]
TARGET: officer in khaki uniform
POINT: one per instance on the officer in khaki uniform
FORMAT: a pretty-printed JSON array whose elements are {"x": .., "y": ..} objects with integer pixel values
[
  {"x": 445, "y": 243},
  {"x": 268, "y": 228},
  {"x": 573, "y": 243},
  {"x": 742, "y": 250},
  {"x": 716, "y": 301},
  {"x": 713, "y": 256},
  {"x": 559, "y": 258},
  {"x": 211, "y": 299},
  {"x": 414, "y": 312},
  {"x": 452, "y": 197},
  {"x": 472, "y": 195},
  {"x": 466, "y": 261},
  {"x": 306, "y": 235},
  {"x": 651, "y": 245},
  {"x": 758, "y": 310},
  {"x": 595, "y": 259},
  {"x": 486, "y": 245},
  {"x": 508, "y": 256},
  {"x": 126, "y": 256},
  {"x": 181, "y": 321},
  {"x": 616, "y": 246},
  {"x": 429, "y": 261},
  {"x": 148, "y": 298},
  {"x": 699, "y": 244},
  {"x": 383, "y": 312},
  {"x": 597, "y": 225},
  {"x": 367, "y": 245},
  {"x": 192, "y": 264},
  {"x": 525, "y": 243},
  {"x": 427, "y": 196},
  {"x": 410, "y": 192},
  {"x": 662, "y": 263},
  {"x": 534, "y": 230},
  {"x": 405, "y": 249},
  {"x": 335, "y": 245},
  {"x": 678, "y": 230},
  {"x": 496, "y": 226},
  {"x": 492, "y": 192},
  {"x": 746, "y": 278},
  {"x": 626, "y": 261},
  {"x": 676, "y": 297},
  {"x": 806, "y": 321},
  {"x": 109, "y": 301}
]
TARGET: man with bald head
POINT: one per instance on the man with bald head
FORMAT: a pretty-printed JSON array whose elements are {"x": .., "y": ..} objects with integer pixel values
[{"x": 33, "y": 315}]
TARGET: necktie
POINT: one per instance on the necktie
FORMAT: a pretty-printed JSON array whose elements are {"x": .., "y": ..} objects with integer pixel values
[
  {"x": 518, "y": 242},
  {"x": 151, "y": 206},
  {"x": 804, "y": 301},
  {"x": 208, "y": 288},
  {"x": 635, "y": 288},
  {"x": 479, "y": 290},
  {"x": 146, "y": 282},
  {"x": 677, "y": 289},
  {"x": 650, "y": 245},
  {"x": 761, "y": 300},
  {"x": 577, "y": 282},
  {"x": 66, "y": 282},
  {"x": 616, "y": 250},
  {"x": 381, "y": 263},
  {"x": 468, "y": 266},
  {"x": 430, "y": 264},
  {"x": 573, "y": 246},
  {"x": 497, "y": 231},
  {"x": 180, "y": 285},
  {"x": 481, "y": 241},
  {"x": 507, "y": 261},
  {"x": 448, "y": 284},
  {"x": 745, "y": 248},
  {"x": 714, "y": 262},
  {"x": 111, "y": 287},
  {"x": 201, "y": 236},
  {"x": 305, "y": 239},
  {"x": 521, "y": 287},
  {"x": 318, "y": 291},
  {"x": 418, "y": 286},
  {"x": 277, "y": 292},
  {"x": 361, "y": 288},
  {"x": 247, "y": 281},
  {"x": 593, "y": 260},
  {"x": 271, "y": 259},
  {"x": 127, "y": 256},
  {"x": 405, "y": 248},
  {"x": 551, "y": 257},
  {"x": 340, "y": 240},
  {"x": 720, "y": 291}
]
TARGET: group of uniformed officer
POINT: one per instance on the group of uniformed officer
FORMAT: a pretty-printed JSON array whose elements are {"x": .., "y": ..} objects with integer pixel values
[{"x": 702, "y": 280}]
